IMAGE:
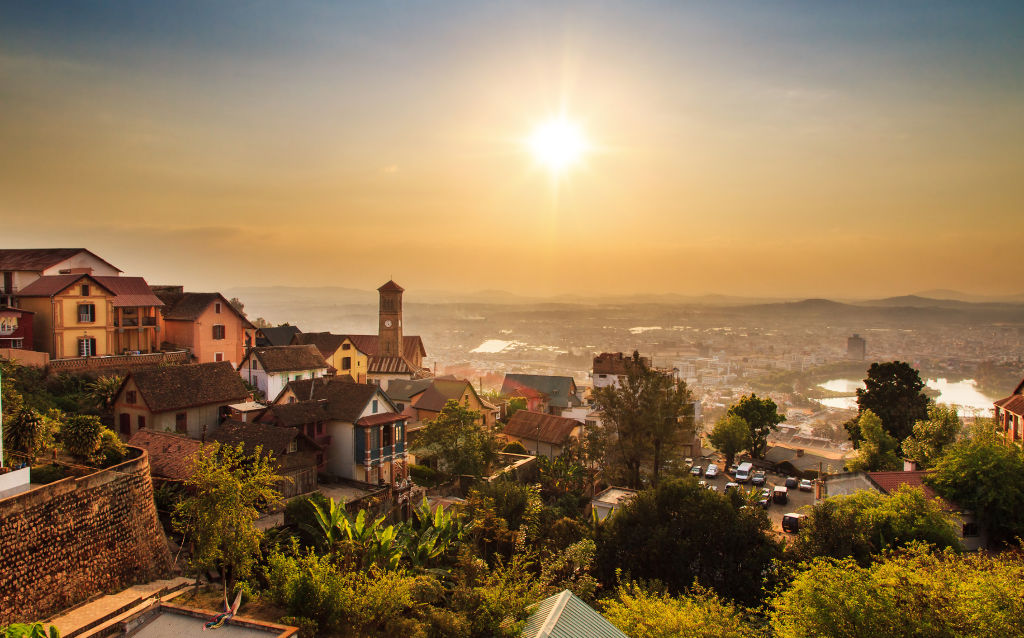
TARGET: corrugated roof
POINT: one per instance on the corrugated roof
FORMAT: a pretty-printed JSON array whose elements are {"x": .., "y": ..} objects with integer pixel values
[
  {"x": 39, "y": 259},
  {"x": 186, "y": 386},
  {"x": 390, "y": 365},
  {"x": 402, "y": 390},
  {"x": 169, "y": 454},
  {"x": 566, "y": 616},
  {"x": 289, "y": 358},
  {"x": 1013, "y": 404},
  {"x": 279, "y": 336},
  {"x": 130, "y": 291},
  {"x": 547, "y": 427},
  {"x": 381, "y": 419},
  {"x": 560, "y": 391}
]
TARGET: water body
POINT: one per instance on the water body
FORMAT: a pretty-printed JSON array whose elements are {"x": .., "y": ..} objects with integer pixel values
[
  {"x": 640, "y": 329},
  {"x": 963, "y": 393},
  {"x": 493, "y": 345}
]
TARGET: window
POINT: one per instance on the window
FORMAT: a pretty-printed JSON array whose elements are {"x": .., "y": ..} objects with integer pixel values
[
  {"x": 298, "y": 377},
  {"x": 602, "y": 376},
  {"x": 142, "y": 422},
  {"x": 181, "y": 422},
  {"x": 87, "y": 347},
  {"x": 218, "y": 356},
  {"x": 971, "y": 529},
  {"x": 346, "y": 346},
  {"x": 129, "y": 397},
  {"x": 87, "y": 313},
  {"x": 346, "y": 363},
  {"x": 387, "y": 435},
  {"x": 293, "y": 446},
  {"x": 319, "y": 429},
  {"x": 254, "y": 365},
  {"x": 291, "y": 399},
  {"x": 218, "y": 331},
  {"x": 375, "y": 406},
  {"x": 85, "y": 290},
  {"x": 216, "y": 307},
  {"x": 126, "y": 423}
]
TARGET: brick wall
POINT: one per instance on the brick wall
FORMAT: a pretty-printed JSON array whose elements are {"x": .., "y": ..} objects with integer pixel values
[{"x": 64, "y": 542}]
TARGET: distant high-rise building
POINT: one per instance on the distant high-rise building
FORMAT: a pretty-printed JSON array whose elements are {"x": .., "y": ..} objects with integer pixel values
[{"x": 856, "y": 347}]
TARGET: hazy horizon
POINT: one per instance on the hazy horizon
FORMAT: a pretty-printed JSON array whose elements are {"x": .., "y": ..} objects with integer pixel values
[{"x": 787, "y": 150}]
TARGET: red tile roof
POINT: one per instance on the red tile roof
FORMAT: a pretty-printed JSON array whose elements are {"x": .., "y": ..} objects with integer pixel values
[
  {"x": 131, "y": 291},
  {"x": 1014, "y": 404},
  {"x": 288, "y": 358},
  {"x": 188, "y": 386},
  {"x": 889, "y": 482},
  {"x": 547, "y": 427},
  {"x": 39, "y": 259},
  {"x": 169, "y": 454},
  {"x": 55, "y": 284},
  {"x": 391, "y": 285},
  {"x": 369, "y": 344},
  {"x": 381, "y": 419}
]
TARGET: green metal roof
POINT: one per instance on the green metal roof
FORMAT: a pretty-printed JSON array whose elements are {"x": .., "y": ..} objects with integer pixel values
[{"x": 566, "y": 616}]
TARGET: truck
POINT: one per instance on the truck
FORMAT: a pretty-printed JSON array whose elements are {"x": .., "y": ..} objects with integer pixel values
[{"x": 743, "y": 472}]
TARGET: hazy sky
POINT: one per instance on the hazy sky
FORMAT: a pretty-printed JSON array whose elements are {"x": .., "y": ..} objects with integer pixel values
[{"x": 769, "y": 147}]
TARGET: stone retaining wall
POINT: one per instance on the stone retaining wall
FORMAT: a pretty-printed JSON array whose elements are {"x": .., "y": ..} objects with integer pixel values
[{"x": 66, "y": 541}]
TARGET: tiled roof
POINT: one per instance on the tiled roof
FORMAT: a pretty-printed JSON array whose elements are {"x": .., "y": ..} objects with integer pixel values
[
  {"x": 1014, "y": 404},
  {"x": 381, "y": 419},
  {"x": 614, "y": 363},
  {"x": 402, "y": 390},
  {"x": 552, "y": 429},
  {"x": 345, "y": 401},
  {"x": 55, "y": 284},
  {"x": 440, "y": 392},
  {"x": 369, "y": 344},
  {"x": 270, "y": 438},
  {"x": 187, "y": 386},
  {"x": 299, "y": 413},
  {"x": 1020, "y": 387},
  {"x": 391, "y": 285},
  {"x": 288, "y": 358},
  {"x": 390, "y": 365},
  {"x": 777, "y": 454},
  {"x": 168, "y": 453},
  {"x": 566, "y": 616},
  {"x": 889, "y": 482},
  {"x": 188, "y": 306},
  {"x": 325, "y": 342},
  {"x": 130, "y": 291},
  {"x": 39, "y": 259},
  {"x": 279, "y": 336},
  {"x": 560, "y": 391}
]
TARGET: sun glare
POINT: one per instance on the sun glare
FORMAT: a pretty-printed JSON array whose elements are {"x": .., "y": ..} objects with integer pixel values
[{"x": 557, "y": 144}]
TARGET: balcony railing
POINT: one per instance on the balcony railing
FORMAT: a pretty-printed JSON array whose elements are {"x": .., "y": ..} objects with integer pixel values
[
  {"x": 8, "y": 290},
  {"x": 126, "y": 322},
  {"x": 149, "y": 321}
]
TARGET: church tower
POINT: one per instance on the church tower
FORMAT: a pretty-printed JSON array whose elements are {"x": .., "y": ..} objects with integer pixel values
[{"x": 390, "y": 329}]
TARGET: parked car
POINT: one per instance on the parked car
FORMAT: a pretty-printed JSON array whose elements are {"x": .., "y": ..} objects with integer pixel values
[
  {"x": 697, "y": 471},
  {"x": 702, "y": 484},
  {"x": 766, "y": 492},
  {"x": 780, "y": 495},
  {"x": 742, "y": 473},
  {"x": 791, "y": 522},
  {"x": 712, "y": 471},
  {"x": 712, "y": 488},
  {"x": 806, "y": 485},
  {"x": 791, "y": 483},
  {"x": 733, "y": 468},
  {"x": 688, "y": 461},
  {"x": 758, "y": 478},
  {"x": 731, "y": 485}
]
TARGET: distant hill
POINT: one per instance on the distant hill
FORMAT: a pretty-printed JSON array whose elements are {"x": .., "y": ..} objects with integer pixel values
[{"x": 954, "y": 295}]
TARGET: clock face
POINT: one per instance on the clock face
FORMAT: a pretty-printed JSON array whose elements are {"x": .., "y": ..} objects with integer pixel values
[{"x": 387, "y": 324}]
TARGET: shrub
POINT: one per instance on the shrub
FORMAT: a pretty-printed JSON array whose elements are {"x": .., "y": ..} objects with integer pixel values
[
  {"x": 641, "y": 612},
  {"x": 307, "y": 626},
  {"x": 46, "y": 474},
  {"x": 515, "y": 447},
  {"x": 422, "y": 473},
  {"x": 300, "y": 513},
  {"x": 112, "y": 449},
  {"x": 80, "y": 435}
]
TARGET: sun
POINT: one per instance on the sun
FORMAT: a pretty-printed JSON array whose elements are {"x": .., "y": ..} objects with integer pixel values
[{"x": 557, "y": 144}]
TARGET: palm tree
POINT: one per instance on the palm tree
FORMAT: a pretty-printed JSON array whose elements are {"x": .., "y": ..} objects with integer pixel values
[{"x": 103, "y": 391}]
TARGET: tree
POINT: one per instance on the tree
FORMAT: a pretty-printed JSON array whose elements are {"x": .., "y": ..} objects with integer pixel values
[
  {"x": 23, "y": 431},
  {"x": 931, "y": 437},
  {"x": 681, "y": 534},
  {"x": 638, "y": 611},
  {"x": 763, "y": 418},
  {"x": 984, "y": 475},
  {"x": 866, "y": 524},
  {"x": 877, "y": 448},
  {"x": 893, "y": 392},
  {"x": 644, "y": 418},
  {"x": 103, "y": 391},
  {"x": 515, "y": 405},
  {"x": 227, "y": 488},
  {"x": 238, "y": 305},
  {"x": 260, "y": 322},
  {"x": 515, "y": 447},
  {"x": 80, "y": 435},
  {"x": 460, "y": 444},
  {"x": 730, "y": 436}
]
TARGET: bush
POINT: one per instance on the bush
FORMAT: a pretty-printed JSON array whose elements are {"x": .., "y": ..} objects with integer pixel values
[
  {"x": 422, "y": 473},
  {"x": 112, "y": 449},
  {"x": 46, "y": 474},
  {"x": 788, "y": 469},
  {"x": 641, "y": 612},
  {"x": 81, "y": 435},
  {"x": 307, "y": 626},
  {"x": 515, "y": 447},
  {"x": 299, "y": 512}
]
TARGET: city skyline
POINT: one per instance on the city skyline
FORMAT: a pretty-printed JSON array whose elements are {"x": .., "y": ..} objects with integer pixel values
[{"x": 791, "y": 150}]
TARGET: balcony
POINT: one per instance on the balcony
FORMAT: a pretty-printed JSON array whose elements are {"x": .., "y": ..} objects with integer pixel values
[
  {"x": 149, "y": 322},
  {"x": 126, "y": 322}
]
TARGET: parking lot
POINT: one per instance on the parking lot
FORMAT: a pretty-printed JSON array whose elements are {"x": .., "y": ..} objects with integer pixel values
[{"x": 797, "y": 498}]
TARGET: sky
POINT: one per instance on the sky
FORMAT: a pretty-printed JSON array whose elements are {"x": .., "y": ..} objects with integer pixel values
[{"x": 826, "y": 149}]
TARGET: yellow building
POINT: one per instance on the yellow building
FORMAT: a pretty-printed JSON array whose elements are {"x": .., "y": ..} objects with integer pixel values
[
  {"x": 339, "y": 351},
  {"x": 81, "y": 315}
]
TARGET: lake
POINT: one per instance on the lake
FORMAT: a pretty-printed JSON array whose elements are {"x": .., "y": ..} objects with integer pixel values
[{"x": 963, "y": 393}]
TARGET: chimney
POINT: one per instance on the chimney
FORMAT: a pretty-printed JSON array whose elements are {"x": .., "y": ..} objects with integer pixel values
[
  {"x": 799, "y": 453},
  {"x": 909, "y": 466}
]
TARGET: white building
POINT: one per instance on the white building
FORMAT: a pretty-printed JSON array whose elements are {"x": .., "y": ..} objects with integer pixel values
[{"x": 271, "y": 368}]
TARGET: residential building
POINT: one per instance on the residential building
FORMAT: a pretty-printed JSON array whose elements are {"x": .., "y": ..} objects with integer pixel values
[
  {"x": 559, "y": 393},
  {"x": 541, "y": 434},
  {"x": 611, "y": 367},
  {"x": 19, "y": 267},
  {"x": 339, "y": 351},
  {"x": 186, "y": 399},
  {"x": 564, "y": 615},
  {"x": 82, "y": 315},
  {"x": 367, "y": 432},
  {"x": 856, "y": 348},
  {"x": 296, "y": 456},
  {"x": 169, "y": 453},
  {"x": 15, "y": 328},
  {"x": 205, "y": 324},
  {"x": 269, "y": 369},
  {"x": 279, "y": 336},
  {"x": 1009, "y": 415},
  {"x": 423, "y": 399},
  {"x": 607, "y": 502}
]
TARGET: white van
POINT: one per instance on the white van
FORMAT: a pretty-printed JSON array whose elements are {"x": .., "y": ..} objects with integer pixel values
[{"x": 743, "y": 472}]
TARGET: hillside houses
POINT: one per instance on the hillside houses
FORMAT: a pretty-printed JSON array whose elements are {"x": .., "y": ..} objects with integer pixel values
[{"x": 270, "y": 369}]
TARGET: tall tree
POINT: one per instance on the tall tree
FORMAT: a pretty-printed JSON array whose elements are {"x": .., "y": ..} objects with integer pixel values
[
  {"x": 644, "y": 419},
  {"x": 762, "y": 417},
  {"x": 237, "y": 304},
  {"x": 103, "y": 391},
  {"x": 730, "y": 436},
  {"x": 461, "y": 445},
  {"x": 893, "y": 392},
  {"x": 877, "y": 448},
  {"x": 931, "y": 437}
]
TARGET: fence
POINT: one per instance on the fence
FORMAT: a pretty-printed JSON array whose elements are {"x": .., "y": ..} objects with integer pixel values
[{"x": 118, "y": 361}]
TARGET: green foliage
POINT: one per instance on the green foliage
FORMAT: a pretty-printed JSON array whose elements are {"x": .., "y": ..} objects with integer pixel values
[
  {"x": 931, "y": 437},
  {"x": 984, "y": 475},
  {"x": 301, "y": 512},
  {"x": 23, "y": 431},
  {"x": 81, "y": 435},
  {"x": 730, "y": 436},
  {"x": 866, "y": 524},
  {"x": 28, "y": 630},
  {"x": 422, "y": 474},
  {"x": 515, "y": 447},
  {"x": 762, "y": 417},
  {"x": 679, "y": 533},
  {"x": 877, "y": 448},
  {"x": 166, "y": 496},
  {"x": 892, "y": 392},
  {"x": 515, "y": 405},
  {"x": 561, "y": 476},
  {"x": 911, "y": 594},
  {"x": 45, "y": 474},
  {"x": 461, "y": 446},
  {"x": 645, "y": 613},
  {"x": 111, "y": 450},
  {"x": 219, "y": 515},
  {"x": 103, "y": 391}
]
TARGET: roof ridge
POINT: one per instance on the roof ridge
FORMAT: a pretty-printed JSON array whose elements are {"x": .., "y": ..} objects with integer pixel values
[{"x": 555, "y": 613}]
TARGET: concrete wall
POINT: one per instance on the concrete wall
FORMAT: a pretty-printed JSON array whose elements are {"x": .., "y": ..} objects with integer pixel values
[
  {"x": 66, "y": 541},
  {"x": 26, "y": 357}
]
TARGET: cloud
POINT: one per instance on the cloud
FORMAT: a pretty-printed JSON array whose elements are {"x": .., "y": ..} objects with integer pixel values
[{"x": 389, "y": 169}]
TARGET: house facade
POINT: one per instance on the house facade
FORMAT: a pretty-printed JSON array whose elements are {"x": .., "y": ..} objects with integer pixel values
[
  {"x": 205, "y": 324},
  {"x": 270, "y": 369},
  {"x": 540, "y": 433},
  {"x": 19, "y": 267},
  {"x": 1009, "y": 416},
  {"x": 611, "y": 367},
  {"x": 339, "y": 351},
  {"x": 423, "y": 399},
  {"x": 552, "y": 394},
  {"x": 296, "y": 456},
  {"x": 15, "y": 328},
  {"x": 184, "y": 399}
]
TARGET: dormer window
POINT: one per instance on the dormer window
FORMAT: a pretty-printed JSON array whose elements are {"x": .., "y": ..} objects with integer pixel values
[
  {"x": 85, "y": 290},
  {"x": 346, "y": 346},
  {"x": 375, "y": 406},
  {"x": 216, "y": 307}
]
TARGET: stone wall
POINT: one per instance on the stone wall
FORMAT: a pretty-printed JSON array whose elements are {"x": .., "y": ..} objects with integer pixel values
[{"x": 66, "y": 541}]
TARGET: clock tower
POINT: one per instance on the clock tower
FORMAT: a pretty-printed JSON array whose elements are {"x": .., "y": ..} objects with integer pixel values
[{"x": 390, "y": 329}]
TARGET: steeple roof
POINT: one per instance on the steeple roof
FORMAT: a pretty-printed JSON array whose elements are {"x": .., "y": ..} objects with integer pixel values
[{"x": 391, "y": 286}]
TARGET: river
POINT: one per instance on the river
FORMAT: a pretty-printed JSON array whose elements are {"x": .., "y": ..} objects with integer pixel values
[{"x": 963, "y": 393}]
